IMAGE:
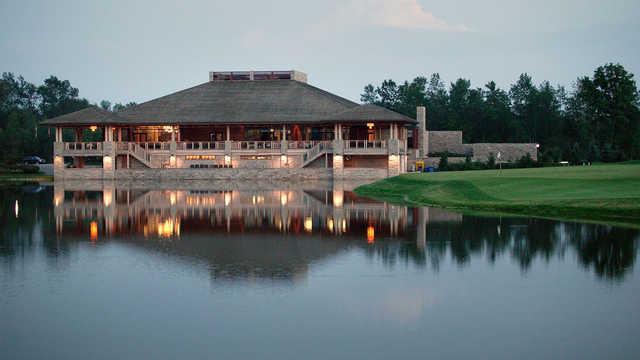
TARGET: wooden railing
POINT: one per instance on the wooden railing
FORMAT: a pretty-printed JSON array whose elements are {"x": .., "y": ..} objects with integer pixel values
[
  {"x": 200, "y": 145},
  {"x": 257, "y": 145},
  {"x": 314, "y": 152},
  {"x": 140, "y": 153},
  {"x": 83, "y": 146},
  {"x": 292, "y": 145},
  {"x": 365, "y": 144}
]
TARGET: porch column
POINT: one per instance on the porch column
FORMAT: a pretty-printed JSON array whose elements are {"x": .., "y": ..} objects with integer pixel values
[
  {"x": 393, "y": 145},
  {"x": 58, "y": 160},
  {"x": 108, "y": 154},
  {"x": 227, "y": 146},
  {"x": 173, "y": 147},
  {"x": 338, "y": 153},
  {"x": 284, "y": 147}
]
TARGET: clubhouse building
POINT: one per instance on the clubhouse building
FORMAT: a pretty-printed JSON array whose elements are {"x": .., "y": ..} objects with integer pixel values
[{"x": 248, "y": 124}]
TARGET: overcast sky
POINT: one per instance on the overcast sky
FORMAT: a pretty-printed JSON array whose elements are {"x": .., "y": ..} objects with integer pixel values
[{"x": 137, "y": 50}]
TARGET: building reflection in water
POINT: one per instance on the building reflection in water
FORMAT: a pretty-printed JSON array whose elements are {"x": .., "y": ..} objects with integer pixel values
[
  {"x": 167, "y": 214},
  {"x": 250, "y": 232}
]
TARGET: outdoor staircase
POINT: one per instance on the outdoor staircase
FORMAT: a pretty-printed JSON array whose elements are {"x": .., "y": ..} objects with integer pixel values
[
  {"x": 315, "y": 152},
  {"x": 140, "y": 154}
]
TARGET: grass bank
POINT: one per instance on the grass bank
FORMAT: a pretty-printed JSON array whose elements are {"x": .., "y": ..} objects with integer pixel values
[
  {"x": 12, "y": 178},
  {"x": 604, "y": 193}
]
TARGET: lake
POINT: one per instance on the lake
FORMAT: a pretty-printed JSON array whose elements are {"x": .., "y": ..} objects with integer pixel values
[{"x": 302, "y": 271}]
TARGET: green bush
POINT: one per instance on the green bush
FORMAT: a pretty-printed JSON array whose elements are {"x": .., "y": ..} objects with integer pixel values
[{"x": 443, "y": 165}]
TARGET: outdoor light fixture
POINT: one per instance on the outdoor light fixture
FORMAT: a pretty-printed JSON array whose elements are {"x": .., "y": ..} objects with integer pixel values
[
  {"x": 172, "y": 161},
  {"x": 537, "y": 146},
  {"x": 93, "y": 128},
  {"x": 107, "y": 163},
  {"x": 168, "y": 128},
  {"x": 227, "y": 159},
  {"x": 370, "y": 125},
  {"x": 283, "y": 158}
]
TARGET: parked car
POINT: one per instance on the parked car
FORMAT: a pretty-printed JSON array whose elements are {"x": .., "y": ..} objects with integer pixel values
[{"x": 33, "y": 160}]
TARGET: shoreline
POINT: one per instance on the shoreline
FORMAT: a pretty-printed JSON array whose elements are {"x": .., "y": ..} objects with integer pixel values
[{"x": 608, "y": 194}]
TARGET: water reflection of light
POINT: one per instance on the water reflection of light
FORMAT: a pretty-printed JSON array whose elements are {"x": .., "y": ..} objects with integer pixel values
[
  {"x": 330, "y": 224},
  {"x": 172, "y": 198},
  {"x": 16, "y": 208},
  {"x": 93, "y": 231},
  {"x": 284, "y": 198},
  {"x": 344, "y": 225},
  {"x": 227, "y": 198},
  {"x": 169, "y": 228},
  {"x": 371, "y": 234},
  {"x": 308, "y": 224}
]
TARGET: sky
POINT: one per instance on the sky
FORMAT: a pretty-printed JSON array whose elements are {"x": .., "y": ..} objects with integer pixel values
[{"x": 132, "y": 50}]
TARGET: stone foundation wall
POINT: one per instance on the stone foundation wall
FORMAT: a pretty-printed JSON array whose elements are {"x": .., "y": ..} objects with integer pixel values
[
  {"x": 363, "y": 173},
  {"x": 298, "y": 174},
  {"x": 508, "y": 152}
]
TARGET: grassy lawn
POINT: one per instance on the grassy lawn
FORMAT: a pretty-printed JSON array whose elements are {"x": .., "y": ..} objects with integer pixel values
[
  {"x": 6, "y": 178},
  {"x": 603, "y": 193}
]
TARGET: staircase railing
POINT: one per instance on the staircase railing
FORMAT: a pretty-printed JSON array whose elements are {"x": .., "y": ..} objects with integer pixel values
[
  {"x": 316, "y": 151},
  {"x": 140, "y": 153}
]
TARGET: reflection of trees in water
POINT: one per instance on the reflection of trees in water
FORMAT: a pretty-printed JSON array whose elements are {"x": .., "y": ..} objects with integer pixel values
[
  {"x": 17, "y": 233},
  {"x": 609, "y": 251}
]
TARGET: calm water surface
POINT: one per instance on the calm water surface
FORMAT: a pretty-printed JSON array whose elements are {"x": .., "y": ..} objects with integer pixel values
[{"x": 302, "y": 271}]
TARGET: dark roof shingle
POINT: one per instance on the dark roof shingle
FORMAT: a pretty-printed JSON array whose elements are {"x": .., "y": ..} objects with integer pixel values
[
  {"x": 91, "y": 115},
  {"x": 229, "y": 102}
]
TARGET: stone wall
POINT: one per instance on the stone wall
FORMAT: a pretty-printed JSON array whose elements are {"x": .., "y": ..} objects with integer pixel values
[
  {"x": 450, "y": 141},
  {"x": 363, "y": 173},
  {"x": 508, "y": 152},
  {"x": 198, "y": 174},
  {"x": 298, "y": 174}
]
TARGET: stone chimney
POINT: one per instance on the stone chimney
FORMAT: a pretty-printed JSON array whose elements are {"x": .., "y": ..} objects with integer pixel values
[{"x": 423, "y": 133}]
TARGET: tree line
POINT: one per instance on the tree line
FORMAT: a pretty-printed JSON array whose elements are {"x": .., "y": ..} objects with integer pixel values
[
  {"x": 597, "y": 120},
  {"x": 24, "y": 105}
]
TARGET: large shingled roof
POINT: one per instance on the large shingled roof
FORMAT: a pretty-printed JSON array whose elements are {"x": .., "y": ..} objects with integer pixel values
[
  {"x": 246, "y": 102},
  {"x": 91, "y": 115},
  {"x": 368, "y": 112}
]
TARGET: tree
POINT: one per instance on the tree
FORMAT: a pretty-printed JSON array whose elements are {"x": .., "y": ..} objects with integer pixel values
[
  {"x": 612, "y": 98},
  {"x": 105, "y": 105},
  {"x": 522, "y": 95},
  {"x": 58, "y": 97},
  {"x": 119, "y": 107}
]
